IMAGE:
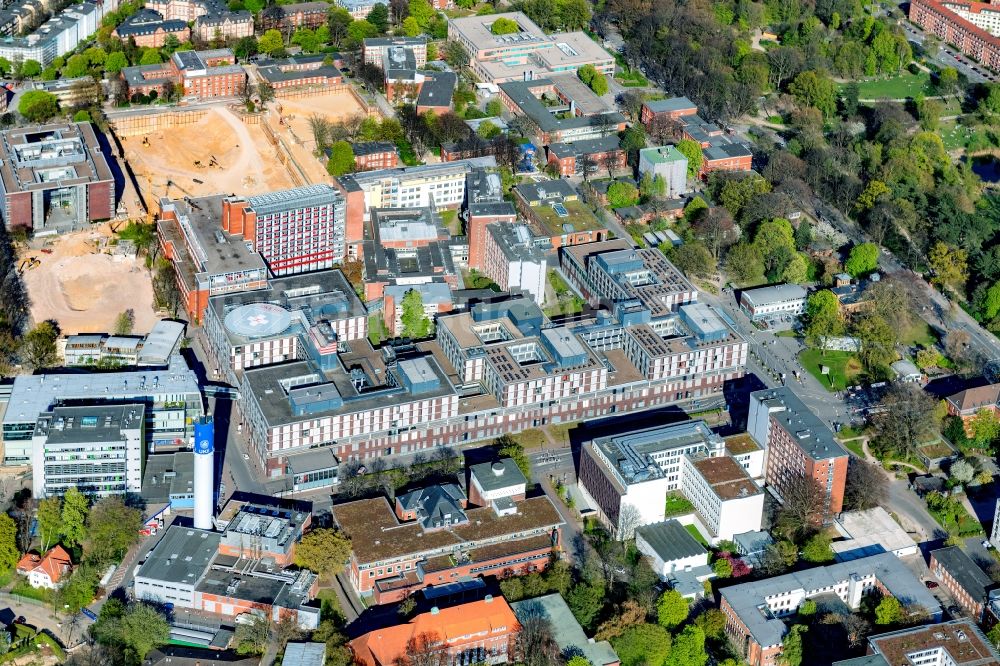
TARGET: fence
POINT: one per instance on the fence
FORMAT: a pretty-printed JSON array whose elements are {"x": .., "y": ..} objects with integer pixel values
[
  {"x": 285, "y": 156},
  {"x": 317, "y": 91},
  {"x": 144, "y": 121},
  {"x": 18, "y": 599}
]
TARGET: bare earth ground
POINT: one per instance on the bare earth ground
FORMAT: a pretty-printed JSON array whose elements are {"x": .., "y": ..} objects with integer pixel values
[
  {"x": 84, "y": 288},
  {"x": 247, "y": 162},
  {"x": 334, "y": 107}
]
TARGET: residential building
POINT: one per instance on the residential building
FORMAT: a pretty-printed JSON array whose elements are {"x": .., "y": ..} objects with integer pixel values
[
  {"x": 566, "y": 631},
  {"x": 297, "y": 15},
  {"x": 55, "y": 178},
  {"x": 668, "y": 163},
  {"x": 186, "y": 10},
  {"x": 870, "y": 532},
  {"x": 573, "y": 112},
  {"x": 207, "y": 260},
  {"x": 727, "y": 500},
  {"x": 223, "y": 26},
  {"x": 372, "y": 155},
  {"x": 776, "y": 301},
  {"x": 196, "y": 569},
  {"x": 149, "y": 29},
  {"x": 798, "y": 445},
  {"x": 374, "y": 50},
  {"x": 613, "y": 275},
  {"x": 155, "y": 349},
  {"x": 296, "y": 317},
  {"x": 484, "y": 205},
  {"x": 755, "y": 611},
  {"x": 358, "y": 9},
  {"x": 968, "y": 403},
  {"x": 554, "y": 211},
  {"x": 97, "y": 449},
  {"x": 295, "y": 231},
  {"x": 299, "y": 72},
  {"x": 438, "y": 538},
  {"x": 172, "y": 398},
  {"x": 968, "y": 585},
  {"x": 587, "y": 156},
  {"x": 513, "y": 260},
  {"x": 981, "y": 14},
  {"x": 670, "y": 548},
  {"x": 480, "y": 632},
  {"x": 48, "y": 571},
  {"x": 959, "y": 642},
  {"x": 435, "y": 185},
  {"x": 950, "y": 22},
  {"x": 672, "y": 109},
  {"x": 526, "y": 54}
]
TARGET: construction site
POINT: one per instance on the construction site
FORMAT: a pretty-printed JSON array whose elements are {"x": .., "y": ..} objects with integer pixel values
[
  {"x": 83, "y": 280},
  {"x": 335, "y": 107}
]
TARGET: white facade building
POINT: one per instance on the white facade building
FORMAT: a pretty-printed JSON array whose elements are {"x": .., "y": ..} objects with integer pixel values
[
  {"x": 780, "y": 299},
  {"x": 96, "y": 449},
  {"x": 670, "y": 548},
  {"x": 669, "y": 164},
  {"x": 727, "y": 500}
]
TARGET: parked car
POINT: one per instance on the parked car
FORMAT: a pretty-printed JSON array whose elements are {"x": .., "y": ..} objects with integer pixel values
[{"x": 931, "y": 585}]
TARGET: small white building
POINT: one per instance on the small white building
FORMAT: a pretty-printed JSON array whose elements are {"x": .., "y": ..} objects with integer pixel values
[
  {"x": 907, "y": 372},
  {"x": 777, "y": 300},
  {"x": 870, "y": 532},
  {"x": 670, "y": 548},
  {"x": 748, "y": 453},
  {"x": 499, "y": 482},
  {"x": 48, "y": 571},
  {"x": 727, "y": 500},
  {"x": 669, "y": 164}
]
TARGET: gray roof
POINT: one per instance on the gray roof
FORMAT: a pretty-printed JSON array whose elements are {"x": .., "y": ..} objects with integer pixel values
[
  {"x": 293, "y": 199},
  {"x": 168, "y": 475},
  {"x": 436, "y": 506},
  {"x": 496, "y": 475},
  {"x": 520, "y": 92},
  {"x": 672, "y": 104},
  {"x": 516, "y": 242},
  {"x": 767, "y": 629},
  {"x": 778, "y": 293},
  {"x": 373, "y": 147},
  {"x": 313, "y": 460},
  {"x": 603, "y": 144},
  {"x": 964, "y": 570},
  {"x": 304, "y": 654},
  {"x": 810, "y": 433},
  {"x": 670, "y": 540},
  {"x": 437, "y": 89},
  {"x": 181, "y": 556},
  {"x": 91, "y": 424},
  {"x": 161, "y": 342},
  {"x": 566, "y": 631}
]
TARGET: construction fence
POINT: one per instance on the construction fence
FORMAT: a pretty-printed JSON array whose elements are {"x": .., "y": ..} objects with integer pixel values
[{"x": 136, "y": 122}]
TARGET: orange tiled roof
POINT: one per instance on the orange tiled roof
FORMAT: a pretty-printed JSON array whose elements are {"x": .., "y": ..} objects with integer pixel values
[
  {"x": 55, "y": 563},
  {"x": 382, "y": 646}
]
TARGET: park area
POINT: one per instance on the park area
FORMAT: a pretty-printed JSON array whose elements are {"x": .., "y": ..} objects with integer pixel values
[
  {"x": 217, "y": 154},
  {"x": 83, "y": 286},
  {"x": 844, "y": 367},
  {"x": 898, "y": 87}
]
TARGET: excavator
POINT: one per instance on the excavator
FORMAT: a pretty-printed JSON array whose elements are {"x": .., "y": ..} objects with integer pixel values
[{"x": 28, "y": 263}]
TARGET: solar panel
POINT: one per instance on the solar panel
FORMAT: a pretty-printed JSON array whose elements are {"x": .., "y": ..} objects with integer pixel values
[{"x": 560, "y": 210}]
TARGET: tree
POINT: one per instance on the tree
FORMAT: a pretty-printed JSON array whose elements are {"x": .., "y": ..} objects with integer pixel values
[
  {"x": 779, "y": 557},
  {"x": 29, "y": 69},
  {"x": 812, "y": 88},
  {"x": 947, "y": 81},
  {"x": 455, "y": 54},
  {"x": 692, "y": 151},
  {"x": 817, "y": 549},
  {"x": 688, "y": 648},
  {"x": 994, "y": 635},
  {"x": 504, "y": 26},
  {"x": 905, "y": 419},
  {"x": 125, "y": 322},
  {"x": 379, "y": 17},
  {"x": 949, "y": 265},
  {"x": 878, "y": 341},
  {"x": 80, "y": 589},
  {"x": 136, "y": 629},
  {"x": 82, "y": 116},
  {"x": 712, "y": 623},
  {"x": 792, "y": 647},
  {"x": 803, "y": 507},
  {"x": 534, "y": 644},
  {"x": 38, "y": 105},
  {"x": 49, "y": 521},
  {"x": 586, "y": 600},
  {"x": 341, "y": 160},
  {"x": 723, "y": 568},
  {"x": 622, "y": 194},
  {"x": 716, "y": 228},
  {"x": 415, "y": 322},
  {"x": 487, "y": 130},
  {"x": 423, "y": 12},
  {"x": 38, "y": 348},
  {"x": 112, "y": 528},
  {"x": 962, "y": 471},
  {"x": 74, "y": 517},
  {"x": 693, "y": 258},
  {"x": 599, "y": 84},
  {"x": 823, "y": 318},
  {"x": 744, "y": 265},
  {"x": 862, "y": 260},
  {"x": 984, "y": 427},
  {"x": 671, "y": 609},
  {"x": 76, "y": 67},
  {"x": 807, "y": 608},
  {"x": 866, "y": 487},
  {"x": 271, "y": 42},
  {"x": 324, "y": 551},
  {"x": 631, "y": 614},
  {"x": 643, "y": 645},
  {"x": 508, "y": 447},
  {"x": 889, "y": 611},
  {"x": 9, "y": 553},
  {"x": 578, "y": 660}
]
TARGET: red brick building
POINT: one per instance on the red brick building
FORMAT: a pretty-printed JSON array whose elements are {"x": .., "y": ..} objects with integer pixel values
[
  {"x": 201, "y": 75},
  {"x": 592, "y": 155},
  {"x": 673, "y": 109},
  {"x": 149, "y": 29},
  {"x": 966, "y": 404},
  {"x": 484, "y": 205},
  {"x": 437, "y": 538},
  {"x": 936, "y": 18},
  {"x": 375, "y": 155},
  {"x": 798, "y": 443},
  {"x": 963, "y": 578},
  {"x": 298, "y": 15},
  {"x": 299, "y": 72}
]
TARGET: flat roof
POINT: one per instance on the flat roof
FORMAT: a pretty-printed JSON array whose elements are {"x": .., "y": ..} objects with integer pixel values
[
  {"x": 774, "y": 294},
  {"x": 962, "y": 639},
  {"x": 871, "y": 528},
  {"x": 167, "y": 475},
  {"x": 500, "y": 474},
  {"x": 181, "y": 556},
  {"x": 376, "y": 534},
  {"x": 525, "y": 95},
  {"x": 632, "y": 454},
  {"x": 51, "y": 156},
  {"x": 90, "y": 424},
  {"x": 809, "y": 432},
  {"x": 566, "y": 631},
  {"x": 741, "y": 443},
  {"x": 672, "y": 104},
  {"x": 727, "y": 477}
]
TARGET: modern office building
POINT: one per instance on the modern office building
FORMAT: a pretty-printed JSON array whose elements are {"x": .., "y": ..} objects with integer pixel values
[
  {"x": 668, "y": 163},
  {"x": 775, "y": 301},
  {"x": 154, "y": 349},
  {"x": 755, "y": 611},
  {"x": 727, "y": 500},
  {"x": 171, "y": 396},
  {"x": 297, "y": 317},
  {"x": 526, "y": 54},
  {"x": 374, "y": 50},
  {"x": 296, "y": 231},
  {"x": 97, "y": 449},
  {"x": 55, "y": 178},
  {"x": 207, "y": 260},
  {"x": 514, "y": 261},
  {"x": 438, "y": 538},
  {"x": 798, "y": 445}
]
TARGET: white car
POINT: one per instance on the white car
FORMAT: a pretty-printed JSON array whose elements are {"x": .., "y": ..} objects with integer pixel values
[{"x": 246, "y": 456}]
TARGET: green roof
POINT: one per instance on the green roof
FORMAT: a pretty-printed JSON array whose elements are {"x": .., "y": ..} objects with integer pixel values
[{"x": 662, "y": 154}]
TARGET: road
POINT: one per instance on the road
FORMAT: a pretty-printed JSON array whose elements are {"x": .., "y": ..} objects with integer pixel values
[{"x": 949, "y": 57}]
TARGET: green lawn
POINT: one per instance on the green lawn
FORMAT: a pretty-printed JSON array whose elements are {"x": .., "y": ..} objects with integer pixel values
[
  {"x": 677, "y": 505},
  {"x": 631, "y": 78},
  {"x": 919, "y": 333},
  {"x": 696, "y": 534},
  {"x": 854, "y": 446},
  {"x": 844, "y": 367},
  {"x": 451, "y": 222},
  {"x": 904, "y": 85},
  {"x": 956, "y": 135}
]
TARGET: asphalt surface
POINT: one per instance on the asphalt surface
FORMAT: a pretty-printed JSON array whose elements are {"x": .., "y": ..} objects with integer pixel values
[{"x": 950, "y": 57}]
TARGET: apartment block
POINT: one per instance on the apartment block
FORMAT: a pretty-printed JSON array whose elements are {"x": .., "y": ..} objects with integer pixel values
[
  {"x": 951, "y": 23},
  {"x": 97, "y": 449},
  {"x": 295, "y": 231},
  {"x": 150, "y": 30},
  {"x": 798, "y": 444},
  {"x": 755, "y": 611}
]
